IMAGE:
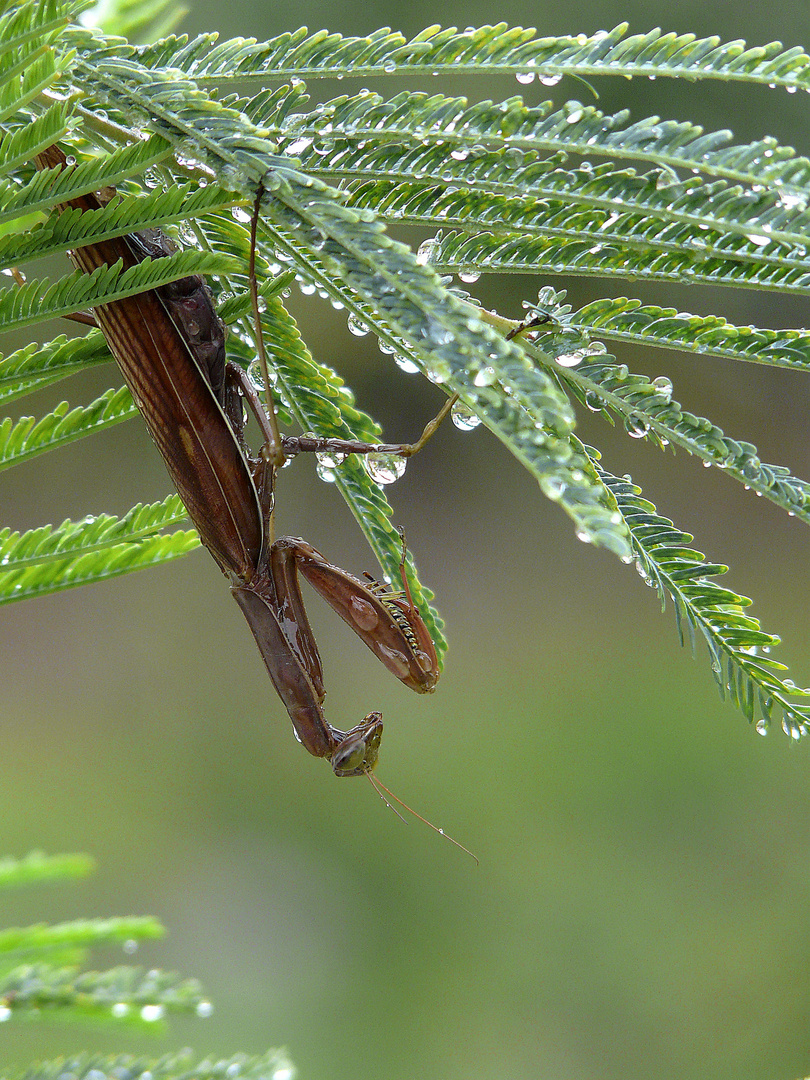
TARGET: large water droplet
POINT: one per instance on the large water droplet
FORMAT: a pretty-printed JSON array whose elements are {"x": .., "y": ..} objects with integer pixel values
[
  {"x": 463, "y": 417},
  {"x": 569, "y": 359},
  {"x": 405, "y": 364},
  {"x": 425, "y": 251},
  {"x": 384, "y": 468}
]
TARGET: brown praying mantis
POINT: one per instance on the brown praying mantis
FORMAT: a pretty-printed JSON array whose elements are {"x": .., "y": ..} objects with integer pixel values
[{"x": 170, "y": 346}]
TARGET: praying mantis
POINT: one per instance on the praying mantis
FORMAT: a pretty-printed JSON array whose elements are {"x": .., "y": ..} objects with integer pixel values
[{"x": 170, "y": 346}]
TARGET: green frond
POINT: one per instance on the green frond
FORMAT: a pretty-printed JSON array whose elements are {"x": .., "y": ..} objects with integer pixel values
[
  {"x": 630, "y": 321},
  {"x": 37, "y": 301},
  {"x": 649, "y": 411},
  {"x": 525, "y": 178},
  {"x": 92, "y": 534},
  {"x": 36, "y": 868},
  {"x": 498, "y": 49},
  {"x": 73, "y": 228},
  {"x": 122, "y": 993},
  {"x": 56, "y": 574},
  {"x": 176, "y": 1066},
  {"x": 18, "y": 148},
  {"x": 29, "y": 61},
  {"x": 43, "y": 190},
  {"x": 419, "y": 119},
  {"x": 80, "y": 934},
  {"x": 35, "y": 366},
  {"x": 354, "y": 250},
  {"x": 460, "y": 253},
  {"x": 591, "y": 241},
  {"x": 737, "y": 646},
  {"x": 27, "y": 438}
]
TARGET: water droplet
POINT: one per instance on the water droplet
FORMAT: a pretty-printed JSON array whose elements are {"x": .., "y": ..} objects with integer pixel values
[
  {"x": 525, "y": 78},
  {"x": 469, "y": 278},
  {"x": 405, "y": 364},
  {"x": 569, "y": 359},
  {"x": 389, "y": 66},
  {"x": 636, "y": 426},
  {"x": 463, "y": 417},
  {"x": 151, "y": 1013},
  {"x": 438, "y": 372},
  {"x": 791, "y": 728},
  {"x": 593, "y": 401},
  {"x": 762, "y": 727},
  {"x": 331, "y": 459},
  {"x": 485, "y": 377},
  {"x": 204, "y": 1009},
  {"x": 663, "y": 387},
  {"x": 130, "y": 946},
  {"x": 550, "y": 80},
  {"x": 553, "y": 487},
  {"x": 426, "y": 249},
  {"x": 5, "y": 1013},
  {"x": 120, "y": 1009},
  {"x": 297, "y": 147},
  {"x": 384, "y": 468},
  {"x": 356, "y": 327},
  {"x": 284, "y": 1073}
]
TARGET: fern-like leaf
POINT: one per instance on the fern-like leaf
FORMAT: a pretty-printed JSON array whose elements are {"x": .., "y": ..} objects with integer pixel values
[
  {"x": 36, "y": 867},
  {"x": 273, "y": 1065},
  {"x": 737, "y": 645},
  {"x": 35, "y": 366},
  {"x": 55, "y": 574},
  {"x": 27, "y": 438},
  {"x": 122, "y": 993},
  {"x": 79, "y": 934},
  {"x": 484, "y": 49}
]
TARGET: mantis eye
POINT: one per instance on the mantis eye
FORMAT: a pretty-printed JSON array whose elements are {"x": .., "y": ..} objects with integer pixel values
[{"x": 358, "y": 750}]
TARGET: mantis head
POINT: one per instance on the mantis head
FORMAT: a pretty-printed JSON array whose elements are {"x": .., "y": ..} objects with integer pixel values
[{"x": 357, "y": 751}]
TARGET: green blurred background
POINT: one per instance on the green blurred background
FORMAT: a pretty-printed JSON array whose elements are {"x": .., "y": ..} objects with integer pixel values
[{"x": 641, "y": 903}]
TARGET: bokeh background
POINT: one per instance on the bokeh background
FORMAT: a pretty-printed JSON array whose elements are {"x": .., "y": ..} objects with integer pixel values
[{"x": 642, "y": 901}]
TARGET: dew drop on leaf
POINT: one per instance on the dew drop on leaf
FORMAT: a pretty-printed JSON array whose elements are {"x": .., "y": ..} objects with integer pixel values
[
  {"x": 384, "y": 468},
  {"x": 464, "y": 418}
]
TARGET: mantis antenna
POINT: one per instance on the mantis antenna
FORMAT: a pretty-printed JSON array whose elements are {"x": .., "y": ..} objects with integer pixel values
[{"x": 382, "y": 791}]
